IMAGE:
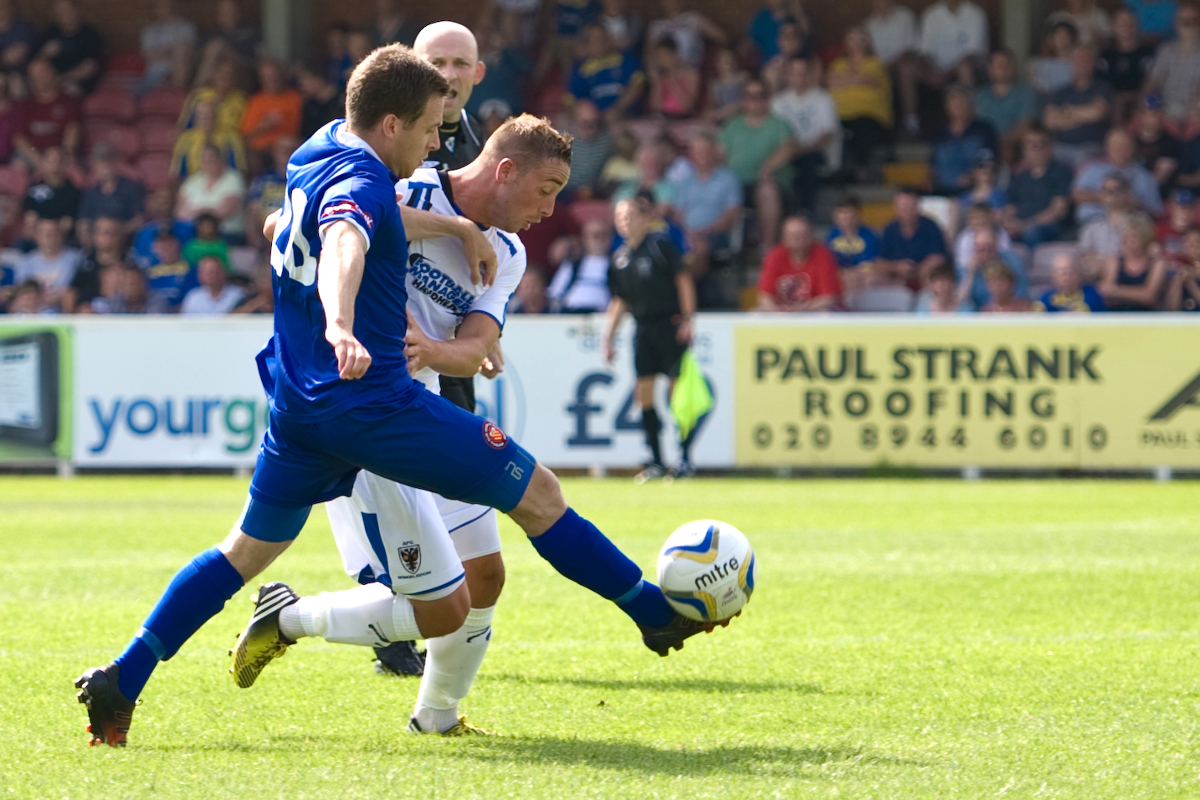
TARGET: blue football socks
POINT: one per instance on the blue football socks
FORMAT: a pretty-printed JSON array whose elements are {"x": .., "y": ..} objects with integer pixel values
[
  {"x": 579, "y": 551},
  {"x": 195, "y": 595}
]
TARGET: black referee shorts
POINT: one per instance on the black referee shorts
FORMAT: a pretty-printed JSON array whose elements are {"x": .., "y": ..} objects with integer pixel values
[{"x": 655, "y": 349}]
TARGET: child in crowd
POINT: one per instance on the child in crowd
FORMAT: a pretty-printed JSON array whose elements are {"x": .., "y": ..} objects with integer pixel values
[
  {"x": 622, "y": 167},
  {"x": 1070, "y": 294},
  {"x": 854, "y": 245},
  {"x": 1170, "y": 231},
  {"x": 674, "y": 86},
  {"x": 207, "y": 242},
  {"x": 979, "y": 217},
  {"x": 1002, "y": 286},
  {"x": 725, "y": 90},
  {"x": 984, "y": 189},
  {"x": 941, "y": 296}
]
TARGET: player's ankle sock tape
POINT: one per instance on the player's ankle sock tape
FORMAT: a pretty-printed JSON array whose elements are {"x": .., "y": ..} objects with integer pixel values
[
  {"x": 580, "y": 552},
  {"x": 646, "y": 605},
  {"x": 195, "y": 595},
  {"x": 652, "y": 427}
]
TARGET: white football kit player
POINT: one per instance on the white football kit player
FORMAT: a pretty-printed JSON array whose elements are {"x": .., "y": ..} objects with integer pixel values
[{"x": 410, "y": 539}]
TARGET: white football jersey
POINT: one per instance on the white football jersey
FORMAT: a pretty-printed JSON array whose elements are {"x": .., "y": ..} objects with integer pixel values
[{"x": 440, "y": 292}]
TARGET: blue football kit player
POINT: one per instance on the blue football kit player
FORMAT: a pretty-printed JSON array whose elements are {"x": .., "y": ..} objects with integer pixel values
[{"x": 342, "y": 399}]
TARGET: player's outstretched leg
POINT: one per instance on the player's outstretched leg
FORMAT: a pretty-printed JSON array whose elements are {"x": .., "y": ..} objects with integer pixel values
[{"x": 579, "y": 551}]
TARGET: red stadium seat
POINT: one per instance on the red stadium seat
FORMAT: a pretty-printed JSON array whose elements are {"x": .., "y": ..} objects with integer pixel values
[
  {"x": 126, "y": 65},
  {"x": 123, "y": 139},
  {"x": 162, "y": 104},
  {"x": 13, "y": 181},
  {"x": 155, "y": 169},
  {"x": 158, "y": 136},
  {"x": 586, "y": 210},
  {"x": 115, "y": 105}
]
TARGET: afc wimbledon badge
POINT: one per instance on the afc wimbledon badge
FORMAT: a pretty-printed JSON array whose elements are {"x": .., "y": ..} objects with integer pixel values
[{"x": 410, "y": 557}]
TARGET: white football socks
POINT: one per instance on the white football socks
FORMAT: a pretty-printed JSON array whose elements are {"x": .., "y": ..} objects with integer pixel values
[
  {"x": 369, "y": 615},
  {"x": 451, "y": 664}
]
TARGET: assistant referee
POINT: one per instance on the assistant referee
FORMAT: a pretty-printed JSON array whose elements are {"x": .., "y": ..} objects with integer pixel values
[{"x": 647, "y": 278}]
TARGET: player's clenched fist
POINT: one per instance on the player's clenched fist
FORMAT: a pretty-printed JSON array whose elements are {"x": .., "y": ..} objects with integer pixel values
[{"x": 352, "y": 358}]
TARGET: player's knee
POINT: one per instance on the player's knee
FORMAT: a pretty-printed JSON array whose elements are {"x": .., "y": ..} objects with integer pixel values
[
  {"x": 541, "y": 505},
  {"x": 485, "y": 579},
  {"x": 443, "y": 616}
]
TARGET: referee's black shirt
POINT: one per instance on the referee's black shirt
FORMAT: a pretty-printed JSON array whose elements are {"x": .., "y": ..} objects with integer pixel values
[
  {"x": 645, "y": 278},
  {"x": 461, "y": 144}
]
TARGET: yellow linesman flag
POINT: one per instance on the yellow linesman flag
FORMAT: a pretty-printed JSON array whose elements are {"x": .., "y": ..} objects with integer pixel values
[{"x": 692, "y": 398}]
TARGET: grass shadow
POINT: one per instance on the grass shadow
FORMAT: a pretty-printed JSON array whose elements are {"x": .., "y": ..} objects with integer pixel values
[
  {"x": 667, "y": 685},
  {"x": 630, "y": 756}
]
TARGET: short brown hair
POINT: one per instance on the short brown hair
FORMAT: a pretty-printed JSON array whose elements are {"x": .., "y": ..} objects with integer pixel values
[
  {"x": 391, "y": 80},
  {"x": 527, "y": 141},
  {"x": 998, "y": 270}
]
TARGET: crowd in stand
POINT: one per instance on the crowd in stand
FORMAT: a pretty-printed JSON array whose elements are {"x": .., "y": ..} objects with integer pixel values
[{"x": 1066, "y": 181}]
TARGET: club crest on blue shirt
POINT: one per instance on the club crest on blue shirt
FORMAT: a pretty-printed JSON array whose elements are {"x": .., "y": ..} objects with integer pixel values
[
  {"x": 410, "y": 557},
  {"x": 496, "y": 438}
]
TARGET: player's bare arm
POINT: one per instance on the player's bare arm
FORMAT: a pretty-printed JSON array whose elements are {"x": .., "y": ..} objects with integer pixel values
[
  {"x": 461, "y": 356},
  {"x": 339, "y": 274},
  {"x": 481, "y": 257},
  {"x": 612, "y": 318}
]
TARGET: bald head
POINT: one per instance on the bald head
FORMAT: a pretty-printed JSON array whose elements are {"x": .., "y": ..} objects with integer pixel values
[{"x": 452, "y": 50}]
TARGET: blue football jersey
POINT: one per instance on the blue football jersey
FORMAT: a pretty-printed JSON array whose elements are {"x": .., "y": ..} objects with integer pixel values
[{"x": 336, "y": 176}]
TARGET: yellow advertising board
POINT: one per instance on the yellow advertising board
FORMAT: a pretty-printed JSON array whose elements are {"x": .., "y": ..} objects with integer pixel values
[{"x": 1030, "y": 392}]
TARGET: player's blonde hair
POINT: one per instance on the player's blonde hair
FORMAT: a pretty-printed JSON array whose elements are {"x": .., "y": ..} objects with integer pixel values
[{"x": 527, "y": 141}]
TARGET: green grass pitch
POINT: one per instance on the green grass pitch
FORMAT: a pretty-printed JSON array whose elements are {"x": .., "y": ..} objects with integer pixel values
[{"x": 908, "y": 639}]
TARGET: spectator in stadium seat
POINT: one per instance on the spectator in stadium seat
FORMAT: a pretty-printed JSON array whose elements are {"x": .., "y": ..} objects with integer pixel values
[
  {"x": 52, "y": 196},
  {"x": 1002, "y": 287},
  {"x": 971, "y": 278},
  {"x": 221, "y": 90},
  {"x": 207, "y": 242},
  {"x": 1134, "y": 278},
  {"x": 652, "y": 165},
  {"x": 1155, "y": 17},
  {"x": 862, "y": 91},
  {"x": 674, "y": 86},
  {"x": 215, "y": 294},
  {"x": 1089, "y": 20},
  {"x": 189, "y": 147},
  {"x": 592, "y": 148},
  {"x": 1053, "y": 71},
  {"x": 1007, "y": 104},
  {"x": 624, "y": 26},
  {"x": 52, "y": 263},
  {"x": 107, "y": 251},
  {"x": 1119, "y": 151},
  {"x": 709, "y": 200},
  {"x": 1171, "y": 230},
  {"x": 112, "y": 195},
  {"x": 274, "y": 111},
  {"x": 1070, "y": 293},
  {"x": 1176, "y": 71},
  {"x": 530, "y": 295},
  {"x": 323, "y": 101},
  {"x": 168, "y": 47},
  {"x": 606, "y": 77},
  {"x": 1101, "y": 238},
  {"x": 580, "y": 286},
  {"x": 758, "y": 149},
  {"x": 74, "y": 48},
  {"x": 983, "y": 188},
  {"x": 47, "y": 118},
  {"x": 817, "y": 131},
  {"x": 393, "y": 25},
  {"x": 912, "y": 245},
  {"x": 942, "y": 295},
  {"x": 28, "y": 298},
  {"x": 267, "y": 191},
  {"x": 170, "y": 278},
  {"x": 792, "y": 45},
  {"x": 1183, "y": 293},
  {"x": 799, "y": 274},
  {"x": 1078, "y": 115},
  {"x": 16, "y": 40},
  {"x": 689, "y": 29},
  {"x": 854, "y": 246},
  {"x": 960, "y": 144},
  {"x": 1125, "y": 63},
  {"x": 260, "y": 298},
  {"x": 1155, "y": 149},
  {"x": 726, "y": 87},
  {"x": 1039, "y": 196},
  {"x": 160, "y": 208},
  {"x": 763, "y": 32},
  {"x": 507, "y": 67},
  {"x": 218, "y": 190},
  {"x": 893, "y": 31},
  {"x": 979, "y": 217},
  {"x": 234, "y": 41},
  {"x": 621, "y": 167},
  {"x": 953, "y": 44}
]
